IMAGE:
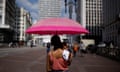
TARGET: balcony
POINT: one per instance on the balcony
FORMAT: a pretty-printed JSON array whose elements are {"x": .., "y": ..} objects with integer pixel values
[{"x": 4, "y": 26}]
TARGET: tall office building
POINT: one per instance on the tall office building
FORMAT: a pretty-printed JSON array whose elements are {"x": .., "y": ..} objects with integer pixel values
[
  {"x": 7, "y": 20},
  {"x": 49, "y": 9},
  {"x": 111, "y": 25},
  {"x": 90, "y": 15}
]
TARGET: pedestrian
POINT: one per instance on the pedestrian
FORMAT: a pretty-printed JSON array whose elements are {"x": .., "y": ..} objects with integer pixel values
[
  {"x": 55, "y": 60},
  {"x": 10, "y": 44},
  {"x": 82, "y": 49},
  {"x": 75, "y": 48},
  {"x": 67, "y": 53},
  {"x": 31, "y": 43},
  {"x": 48, "y": 47}
]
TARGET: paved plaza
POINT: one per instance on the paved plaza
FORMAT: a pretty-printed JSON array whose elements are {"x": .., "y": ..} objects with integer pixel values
[{"x": 34, "y": 60}]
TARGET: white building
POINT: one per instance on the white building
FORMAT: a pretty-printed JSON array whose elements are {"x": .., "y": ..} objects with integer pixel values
[
  {"x": 23, "y": 21},
  {"x": 49, "y": 9}
]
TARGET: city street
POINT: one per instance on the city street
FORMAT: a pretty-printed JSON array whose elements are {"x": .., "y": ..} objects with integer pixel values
[
  {"x": 92, "y": 25},
  {"x": 34, "y": 60},
  {"x": 22, "y": 60}
]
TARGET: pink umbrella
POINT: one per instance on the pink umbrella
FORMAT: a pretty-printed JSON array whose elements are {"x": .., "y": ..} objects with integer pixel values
[{"x": 56, "y": 26}]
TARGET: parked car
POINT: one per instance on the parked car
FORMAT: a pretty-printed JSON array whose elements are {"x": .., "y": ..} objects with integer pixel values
[{"x": 101, "y": 45}]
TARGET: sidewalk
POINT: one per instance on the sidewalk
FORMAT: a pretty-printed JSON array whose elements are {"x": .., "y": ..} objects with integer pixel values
[
  {"x": 24, "y": 60},
  {"x": 34, "y": 60},
  {"x": 9, "y": 51},
  {"x": 94, "y": 63}
]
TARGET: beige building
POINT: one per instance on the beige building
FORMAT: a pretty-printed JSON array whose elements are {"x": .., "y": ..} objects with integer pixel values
[{"x": 23, "y": 21}]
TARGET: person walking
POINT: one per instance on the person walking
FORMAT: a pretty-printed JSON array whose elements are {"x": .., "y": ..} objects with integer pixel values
[
  {"x": 67, "y": 53},
  {"x": 55, "y": 60},
  {"x": 31, "y": 43},
  {"x": 48, "y": 47},
  {"x": 75, "y": 48},
  {"x": 82, "y": 49}
]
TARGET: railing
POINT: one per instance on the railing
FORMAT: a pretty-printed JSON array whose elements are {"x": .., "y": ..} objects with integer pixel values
[{"x": 113, "y": 53}]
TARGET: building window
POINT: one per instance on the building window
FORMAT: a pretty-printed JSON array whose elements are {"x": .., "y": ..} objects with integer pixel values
[
  {"x": 1, "y": 1},
  {"x": 1, "y": 37},
  {"x": 0, "y": 19},
  {"x": 119, "y": 30}
]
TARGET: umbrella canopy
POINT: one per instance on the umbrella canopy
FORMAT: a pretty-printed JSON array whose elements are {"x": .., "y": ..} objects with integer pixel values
[{"x": 56, "y": 26}]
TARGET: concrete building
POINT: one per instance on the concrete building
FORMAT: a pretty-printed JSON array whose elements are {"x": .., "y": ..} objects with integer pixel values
[
  {"x": 49, "y": 9},
  {"x": 111, "y": 25},
  {"x": 70, "y": 12},
  {"x": 90, "y": 15},
  {"x": 7, "y": 20},
  {"x": 23, "y": 21}
]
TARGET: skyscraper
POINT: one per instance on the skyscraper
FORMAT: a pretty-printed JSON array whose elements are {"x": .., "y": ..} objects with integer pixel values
[
  {"x": 7, "y": 20},
  {"x": 111, "y": 27},
  {"x": 90, "y": 15},
  {"x": 50, "y": 8}
]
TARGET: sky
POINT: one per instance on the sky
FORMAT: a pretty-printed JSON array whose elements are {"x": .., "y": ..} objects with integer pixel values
[{"x": 32, "y": 6}]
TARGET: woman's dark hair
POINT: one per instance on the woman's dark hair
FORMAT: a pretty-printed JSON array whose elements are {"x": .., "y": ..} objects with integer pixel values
[
  {"x": 64, "y": 44},
  {"x": 55, "y": 41}
]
